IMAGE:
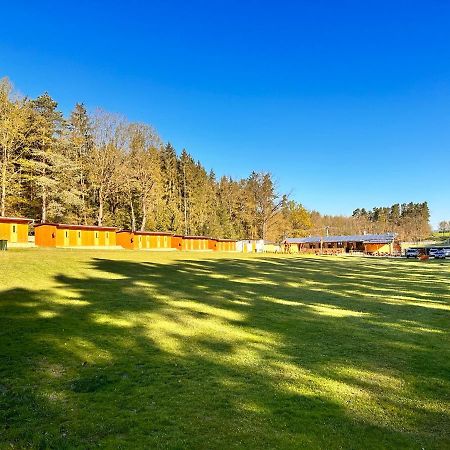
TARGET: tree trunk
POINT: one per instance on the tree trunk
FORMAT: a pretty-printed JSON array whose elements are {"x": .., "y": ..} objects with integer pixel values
[
  {"x": 44, "y": 205},
  {"x": 3, "y": 200},
  {"x": 133, "y": 216},
  {"x": 100, "y": 208},
  {"x": 83, "y": 199},
  {"x": 144, "y": 214},
  {"x": 184, "y": 201}
]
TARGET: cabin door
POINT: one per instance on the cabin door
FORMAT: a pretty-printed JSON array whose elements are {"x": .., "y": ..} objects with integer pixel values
[
  {"x": 78, "y": 238},
  {"x": 95, "y": 237},
  {"x": 107, "y": 238},
  {"x": 66, "y": 238},
  {"x": 13, "y": 233}
]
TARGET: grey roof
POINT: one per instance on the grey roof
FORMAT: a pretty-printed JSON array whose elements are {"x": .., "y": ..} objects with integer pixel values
[{"x": 384, "y": 238}]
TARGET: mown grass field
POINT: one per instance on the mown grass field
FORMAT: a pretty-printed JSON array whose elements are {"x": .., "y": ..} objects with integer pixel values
[{"x": 164, "y": 350}]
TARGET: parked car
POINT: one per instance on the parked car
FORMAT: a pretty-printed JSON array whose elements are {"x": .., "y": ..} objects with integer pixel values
[
  {"x": 432, "y": 252},
  {"x": 439, "y": 254},
  {"x": 412, "y": 253},
  {"x": 446, "y": 251}
]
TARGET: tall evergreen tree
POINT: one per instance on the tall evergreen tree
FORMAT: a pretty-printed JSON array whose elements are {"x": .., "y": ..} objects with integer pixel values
[{"x": 82, "y": 143}]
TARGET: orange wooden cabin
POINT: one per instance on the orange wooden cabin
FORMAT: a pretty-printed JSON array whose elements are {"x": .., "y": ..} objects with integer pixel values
[
  {"x": 222, "y": 245},
  {"x": 125, "y": 238},
  {"x": 14, "y": 229},
  {"x": 226, "y": 245},
  {"x": 212, "y": 244},
  {"x": 195, "y": 243},
  {"x": 150, "y": 240},
  {"x": 177, "y": 242},
  {"x": 64, "y": 235}
]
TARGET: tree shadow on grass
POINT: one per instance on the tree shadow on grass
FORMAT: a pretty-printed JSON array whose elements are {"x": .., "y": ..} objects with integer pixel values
[{"x": 214, "y": 353}]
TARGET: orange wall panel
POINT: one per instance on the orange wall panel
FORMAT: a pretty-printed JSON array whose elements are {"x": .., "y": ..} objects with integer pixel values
[
  {"x": 45, "y": 236},
  {"x": 176, "y": 242},
  {"x": 112, "y": 238},
  {"x": 22, "y": 232},
  {"x": 124, "y": 239},
  {"x": 5, "y": 231},
  {"x": 73, "y": 238}
]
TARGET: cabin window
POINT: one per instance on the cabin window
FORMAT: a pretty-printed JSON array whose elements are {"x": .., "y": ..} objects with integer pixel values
[
  {"x": 96, "y": 235},
  {"x": 107, "y": 234},
  {"x": 14, "y": 228},
  {"x": 67, "y": 234},
  {"x": 79, "y": 234}
]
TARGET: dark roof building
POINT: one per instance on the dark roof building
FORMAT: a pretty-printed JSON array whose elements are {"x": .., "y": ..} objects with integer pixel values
[
  {"x": 384, "y": 238},
  {"x": 384, "y": 243}
]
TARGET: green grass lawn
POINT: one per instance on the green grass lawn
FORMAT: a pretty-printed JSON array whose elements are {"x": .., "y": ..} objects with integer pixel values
[{"x": 176, "y": 350}]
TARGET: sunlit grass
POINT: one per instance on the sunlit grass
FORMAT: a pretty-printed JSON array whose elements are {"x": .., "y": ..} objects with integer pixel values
[{"x": 179, "y": 350}]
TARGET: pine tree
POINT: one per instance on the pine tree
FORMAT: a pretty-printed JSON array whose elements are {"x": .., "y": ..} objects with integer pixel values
[
  {"x": 47, "y": 163},
  {"x": 81, "y": 141}
]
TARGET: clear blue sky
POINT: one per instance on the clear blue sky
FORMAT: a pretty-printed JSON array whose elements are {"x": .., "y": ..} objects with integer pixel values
[{"x": 347, "y": 103}]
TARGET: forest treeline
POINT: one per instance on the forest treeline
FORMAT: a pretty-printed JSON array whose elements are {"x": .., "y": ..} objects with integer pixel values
[{"x": 101, "y": 169}]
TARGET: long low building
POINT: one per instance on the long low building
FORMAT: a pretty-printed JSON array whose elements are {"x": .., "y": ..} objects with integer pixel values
[
  {"x": 226, "y": 245},
  {"x": 250, "y": 245},
  {"x": 159, "y": 240},
  {"x": 14, "y": 229},
  {"x": 73, "y": 236},
  {"x": 385, "y": 243},
  {"x": 195, "y": 243},
  {"x": 144, "y": 240},
  {"x": 64, "y": 235}
]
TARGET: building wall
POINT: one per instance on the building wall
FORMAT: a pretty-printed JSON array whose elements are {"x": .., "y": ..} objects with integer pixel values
[
  {"x": 271, "y": 248},
  {"x": 187, "y": 244},
  {"x": 87, "y": 238},
  {"x": 75, "y": 238},
  {"x": 5, "y": 231},
  {"x": 194, "y": 243},
  {"x": 227, "y": 246},
  {"x": 125, "y": 239},
  {"x": 101, "y": 238},
  {"x": 60, "y": 237},
  {"x": 112, "y": 238},
  {"x": 142, "y": 240},
  {"x": 45, "y": 235},
  {"x": 177, "y": 242},
  {"x": 14, "y": 232},
  {"x": 22, "y": 232},
  {"x": 159, "y": 241},
  {"x": 69, "y": 237},
  {"x": 378, "y": 248}
]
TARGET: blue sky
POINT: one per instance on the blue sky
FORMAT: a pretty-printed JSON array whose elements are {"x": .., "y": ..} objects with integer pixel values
[{"x": 347, "y": 103}]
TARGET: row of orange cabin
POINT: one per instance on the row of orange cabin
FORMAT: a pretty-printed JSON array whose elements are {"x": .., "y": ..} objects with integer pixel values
[
  {"x": 157, "y": 240},
  {"x": 15, "y": 230}
]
